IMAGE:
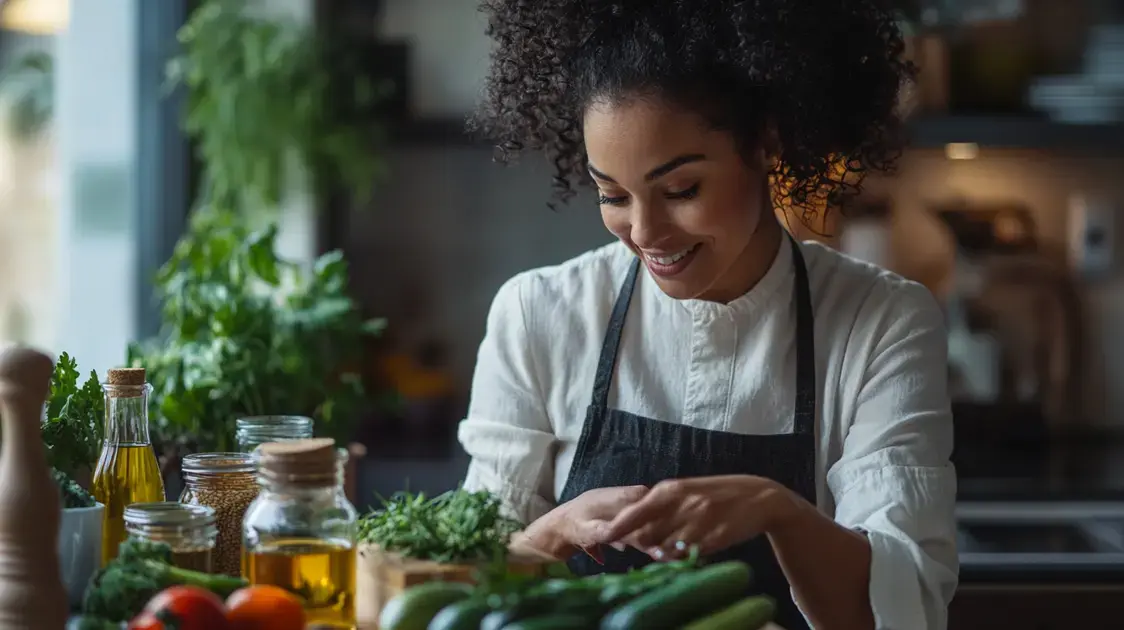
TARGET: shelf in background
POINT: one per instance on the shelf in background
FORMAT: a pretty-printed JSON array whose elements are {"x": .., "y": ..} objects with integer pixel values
[
  {"x": 995, "y": 132},
  {"x": 1016, "y": 132}
]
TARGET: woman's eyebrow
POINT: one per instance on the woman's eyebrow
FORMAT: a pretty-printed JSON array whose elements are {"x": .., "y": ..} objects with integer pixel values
[{"x": 655, "y": 173}]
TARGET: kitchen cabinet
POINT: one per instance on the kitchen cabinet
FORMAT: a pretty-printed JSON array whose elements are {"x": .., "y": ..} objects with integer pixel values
[{"x": 1037, "y": 607}]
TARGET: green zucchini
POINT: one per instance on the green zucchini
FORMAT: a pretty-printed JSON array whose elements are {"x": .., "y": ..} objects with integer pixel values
[
  {"x": 749, "y": 614},
  {"x": 554, "y": 622},
  {"x": 683, "y": 600},
  {"x": 415, "y": 607},
  {"x": 463, "y": 615}
]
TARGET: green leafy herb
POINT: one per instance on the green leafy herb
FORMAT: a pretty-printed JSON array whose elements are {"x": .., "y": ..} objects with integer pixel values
[
  {"x": 458, "y": 526},
  {"x": 249, "y": 333},
  {"x": 73, "y": 495},
  {"x": 74, "y": 425}
]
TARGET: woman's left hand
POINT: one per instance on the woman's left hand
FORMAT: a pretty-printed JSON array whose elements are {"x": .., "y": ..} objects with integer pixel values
[{"x": 712, "y": 513}]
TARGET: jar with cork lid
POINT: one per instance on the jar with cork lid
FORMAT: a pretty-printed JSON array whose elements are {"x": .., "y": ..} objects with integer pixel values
[
  {"x": 127, "y": 471},
  {"x": 226, "y": 483},
  {"x": 188, "y": 529},
  {"x": 299, "y": 534}
]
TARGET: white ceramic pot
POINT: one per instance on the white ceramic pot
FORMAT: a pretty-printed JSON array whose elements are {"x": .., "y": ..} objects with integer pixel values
[{"x": 79, "y": 549}]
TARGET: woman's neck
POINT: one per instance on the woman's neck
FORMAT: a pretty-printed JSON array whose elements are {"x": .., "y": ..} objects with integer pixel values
[{"x": 752, "y": 265}]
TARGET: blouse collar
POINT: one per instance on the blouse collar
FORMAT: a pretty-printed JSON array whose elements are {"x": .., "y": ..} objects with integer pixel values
[{"x": 780, "y": 270}]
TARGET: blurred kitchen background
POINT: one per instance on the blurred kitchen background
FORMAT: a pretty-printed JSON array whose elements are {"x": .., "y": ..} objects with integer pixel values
[{"x": 1008, "y": 206}]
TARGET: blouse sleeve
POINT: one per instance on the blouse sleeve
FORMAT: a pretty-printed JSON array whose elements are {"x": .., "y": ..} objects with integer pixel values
[
  {"x": 507, "y": 431},
  {"x": 894, "y": 480}
]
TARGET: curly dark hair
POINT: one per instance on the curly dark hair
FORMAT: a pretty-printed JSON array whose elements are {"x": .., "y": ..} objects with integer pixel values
[{"x": 819, "y": 78}]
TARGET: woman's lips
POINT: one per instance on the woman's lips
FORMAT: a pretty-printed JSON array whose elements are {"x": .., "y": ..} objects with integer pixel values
[{"x": 667, "y": 265}]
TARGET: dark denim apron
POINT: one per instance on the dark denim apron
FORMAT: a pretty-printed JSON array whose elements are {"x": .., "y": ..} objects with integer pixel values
[{"x": 622, "y": 449}]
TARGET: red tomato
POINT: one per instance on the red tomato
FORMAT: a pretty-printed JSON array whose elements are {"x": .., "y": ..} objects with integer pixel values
[
  {"x": 185, "y": 608},
  {"x": 146, "y": 621},
  {"x": 264, "y": 607}
]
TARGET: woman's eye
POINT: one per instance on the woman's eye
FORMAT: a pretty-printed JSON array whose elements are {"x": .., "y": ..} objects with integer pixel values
[
  {"x": 605, "y": 200},
  {"x": 689, "y": 193}
]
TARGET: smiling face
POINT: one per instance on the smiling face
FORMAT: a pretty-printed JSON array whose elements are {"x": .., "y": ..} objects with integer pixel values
[{"x": 681, "y": 196}]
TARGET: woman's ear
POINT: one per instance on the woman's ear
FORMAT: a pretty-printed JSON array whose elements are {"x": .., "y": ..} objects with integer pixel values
[{"x": 769, "y": 152}]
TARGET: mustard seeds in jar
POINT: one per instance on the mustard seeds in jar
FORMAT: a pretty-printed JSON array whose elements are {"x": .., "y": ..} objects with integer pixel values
[{"x": 225, "y": 482}]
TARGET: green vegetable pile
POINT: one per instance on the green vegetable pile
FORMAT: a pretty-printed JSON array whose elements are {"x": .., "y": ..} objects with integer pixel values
[
  {"x": 141, "y": 570},
  {"x": 73, "y": 495},
  {"x": 661, "y": 596},
  {"x": 457, "y": 526},
  {"x": 74, "y": 425}
]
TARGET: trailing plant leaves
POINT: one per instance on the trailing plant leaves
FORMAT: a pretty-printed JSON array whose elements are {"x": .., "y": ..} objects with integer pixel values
[{"x": 265, "y": 94}]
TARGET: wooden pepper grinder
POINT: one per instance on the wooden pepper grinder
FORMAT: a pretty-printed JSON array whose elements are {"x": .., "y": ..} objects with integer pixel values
[{"x": 31, "y": 592}]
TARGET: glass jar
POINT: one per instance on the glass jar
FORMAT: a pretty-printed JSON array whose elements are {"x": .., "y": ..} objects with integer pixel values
[
  {"x": 188, "y": 529},
  {"x": 300, "y": 532},
  {"x": 254, "y": 431},
  {"x": 226, "y": 483}
]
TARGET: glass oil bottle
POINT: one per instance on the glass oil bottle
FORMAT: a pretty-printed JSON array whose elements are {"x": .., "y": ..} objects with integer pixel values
[
  {"x": 127, "y": 471},
  {"x": 299, "y": 534}
]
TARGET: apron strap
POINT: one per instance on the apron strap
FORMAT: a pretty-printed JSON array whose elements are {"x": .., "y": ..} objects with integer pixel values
[
  {"x": 805, "y": 415},
  {"x": 604, "y": 377}
]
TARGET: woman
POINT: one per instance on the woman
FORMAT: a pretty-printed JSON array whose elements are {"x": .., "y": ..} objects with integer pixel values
[{"x": 760, "y": 398}]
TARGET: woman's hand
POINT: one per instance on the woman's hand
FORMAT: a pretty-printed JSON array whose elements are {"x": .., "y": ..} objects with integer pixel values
[
  {"x": 580, "y": 523},
  {"x": 711, "y": 512}
]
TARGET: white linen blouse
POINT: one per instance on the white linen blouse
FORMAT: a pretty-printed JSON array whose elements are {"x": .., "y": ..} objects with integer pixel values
[{"x": 884, "y": 426}]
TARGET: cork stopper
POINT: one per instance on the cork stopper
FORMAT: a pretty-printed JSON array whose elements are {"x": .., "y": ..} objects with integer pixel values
[
  {"x": 311, "y": 462},
  {"x": 127, "y": 377}
]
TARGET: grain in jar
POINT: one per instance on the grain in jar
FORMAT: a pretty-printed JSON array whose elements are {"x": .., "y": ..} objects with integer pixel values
[
  {"x": 188, "y": 529},
  {"x": 226, "y": 483}
]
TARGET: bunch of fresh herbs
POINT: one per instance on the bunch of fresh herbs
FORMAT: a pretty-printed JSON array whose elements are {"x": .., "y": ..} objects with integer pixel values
[
  {"x": 249, "y": 333},
  {"x": 74, "y": 423},
  {"x": 458, "y": 526}
]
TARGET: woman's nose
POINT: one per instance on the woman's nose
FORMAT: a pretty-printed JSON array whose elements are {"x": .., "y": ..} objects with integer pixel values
[{"x": 647, "y": 228}]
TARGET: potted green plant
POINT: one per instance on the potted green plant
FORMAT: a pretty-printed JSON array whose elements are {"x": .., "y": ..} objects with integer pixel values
[
  {"x": 268, "y": 101},
  {"x": 72, "y": 429},
  {"x": 248, "y": 333}
]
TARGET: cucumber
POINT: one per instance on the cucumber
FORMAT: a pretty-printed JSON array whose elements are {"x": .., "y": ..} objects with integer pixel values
[
  {"x": 463, "y": 615},
  {"x": 554, "y": 622},
  {"x": 415, "y": 607},
  {"x": 749, "y": 614},
  {"x": 526, "y": 608},
  {"x": 683, "y": 600}
]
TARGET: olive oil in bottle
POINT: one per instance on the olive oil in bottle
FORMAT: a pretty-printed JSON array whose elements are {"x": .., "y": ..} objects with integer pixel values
[
  {"x": 127, "y": 471},
  {"x": 321, "y": 572},
  {"x": 299, "y": 533}
]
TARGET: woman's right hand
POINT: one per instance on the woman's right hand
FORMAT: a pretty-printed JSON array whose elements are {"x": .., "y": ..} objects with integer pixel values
[{"x": 580, "y": 523}]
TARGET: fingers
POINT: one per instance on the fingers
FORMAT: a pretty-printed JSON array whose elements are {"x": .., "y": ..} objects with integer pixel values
[
  {"x": 608, "y": 502},
  {"x": 655, "y": 504},
  {"x": 589, "y": 533},
  {"x": 678, "y": 544}
]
